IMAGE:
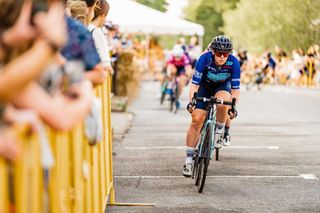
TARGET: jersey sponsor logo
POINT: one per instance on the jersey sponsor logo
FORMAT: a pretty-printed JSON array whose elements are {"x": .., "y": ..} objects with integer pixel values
[
  {"x": 229, "y": 63},
  {"x": 197, "y": 74},
  {"x": 236, "y": 79},
  {"x": 213, "y": 69},
  {"x": 217, "y": 77},
  {"x": 235, "y": 87}
]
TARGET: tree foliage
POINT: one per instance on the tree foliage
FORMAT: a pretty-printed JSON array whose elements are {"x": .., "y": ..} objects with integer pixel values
[
  {"x": 261, "y": 25},
  {"x": 209, "y": 13},
  {"x": 155, "y": 4}
]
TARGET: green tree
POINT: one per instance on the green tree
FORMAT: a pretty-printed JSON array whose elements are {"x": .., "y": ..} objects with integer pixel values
[
  {"x": 155, "y": 4},
  {"x": 209, "y": 13},
  {"x": 261, "y": 25}
]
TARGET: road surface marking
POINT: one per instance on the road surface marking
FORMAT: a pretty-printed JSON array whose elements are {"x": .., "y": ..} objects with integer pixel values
[
  {"x": 304, "y": 176},
  {"x": 309, "y": 177},
  {"x": 183, "y": 147}
]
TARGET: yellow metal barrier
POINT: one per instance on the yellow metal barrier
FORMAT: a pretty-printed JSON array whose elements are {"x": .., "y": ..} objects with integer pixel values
[
  {"x": 81, "y": 179},
  {"x": 311, "y": 72}
]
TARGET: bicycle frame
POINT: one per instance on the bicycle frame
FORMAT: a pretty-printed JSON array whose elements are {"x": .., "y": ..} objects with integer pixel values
[{"x": 210, "y": 120}]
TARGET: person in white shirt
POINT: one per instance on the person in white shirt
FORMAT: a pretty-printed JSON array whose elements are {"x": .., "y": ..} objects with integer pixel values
[{"x": 100, "y": 13}]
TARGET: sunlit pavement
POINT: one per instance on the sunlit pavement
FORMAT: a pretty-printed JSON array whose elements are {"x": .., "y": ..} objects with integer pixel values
[{"x": 273, "y": 164}]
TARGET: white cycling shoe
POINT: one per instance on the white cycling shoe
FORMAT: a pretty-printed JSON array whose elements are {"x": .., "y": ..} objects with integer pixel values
[
  {"x": 227, "y": 140},
  {"x": 187, "y": 170},
  {"x": 218, "y": 144}
]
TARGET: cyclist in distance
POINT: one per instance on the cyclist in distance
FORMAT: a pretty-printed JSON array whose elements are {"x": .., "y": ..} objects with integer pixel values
[
  {"x": 217, "y": 73},
  {"x": 179, "y": 65}
]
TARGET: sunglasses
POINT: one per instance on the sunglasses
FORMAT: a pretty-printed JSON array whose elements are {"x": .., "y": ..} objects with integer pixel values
[{"x": 219, "y": 54}]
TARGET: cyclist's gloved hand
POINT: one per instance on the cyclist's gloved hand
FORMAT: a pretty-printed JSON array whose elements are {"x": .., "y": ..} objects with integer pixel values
[
  {"x": 233, "y": 113},
  {"x": 191, "y": 106}
]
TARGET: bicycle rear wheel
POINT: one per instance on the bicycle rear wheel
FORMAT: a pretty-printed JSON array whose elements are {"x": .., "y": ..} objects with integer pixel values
[{"x": 205, "y": 159}]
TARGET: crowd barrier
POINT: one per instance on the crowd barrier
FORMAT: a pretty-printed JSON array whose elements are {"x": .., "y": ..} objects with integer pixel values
[{"x": 80, "y": 179}]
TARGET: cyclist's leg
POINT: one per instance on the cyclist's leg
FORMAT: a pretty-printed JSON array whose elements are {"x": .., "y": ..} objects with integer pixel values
[
  {"x": 171, "y": 71},
  {"x": 198, "y": 117},
  {"x": 222, "y": 93},
  {"x": 226, "y": 135},
  {"x": 181, "y": 73}
]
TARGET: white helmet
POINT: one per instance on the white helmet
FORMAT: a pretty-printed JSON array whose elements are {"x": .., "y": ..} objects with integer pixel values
[{"x": 177, "y": 51}]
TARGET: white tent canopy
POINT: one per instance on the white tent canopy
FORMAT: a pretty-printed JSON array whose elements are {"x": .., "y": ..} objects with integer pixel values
[{"x": 133, "y": 17}]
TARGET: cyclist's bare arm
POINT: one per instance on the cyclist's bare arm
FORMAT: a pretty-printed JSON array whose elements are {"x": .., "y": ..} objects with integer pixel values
[
  {"x": 193, "y": 88},
  {"x": 235, "y": 93}
]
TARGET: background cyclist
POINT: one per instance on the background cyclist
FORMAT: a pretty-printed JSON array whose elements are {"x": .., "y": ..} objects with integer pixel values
[
  {"x": 179, "y": 65},
  {"x": 217, "y": 73}
]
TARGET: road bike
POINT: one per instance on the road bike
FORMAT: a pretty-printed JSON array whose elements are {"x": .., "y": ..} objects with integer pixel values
[
  {"x": 170, "y": 89},
  {"x": 205, "y": 147}
]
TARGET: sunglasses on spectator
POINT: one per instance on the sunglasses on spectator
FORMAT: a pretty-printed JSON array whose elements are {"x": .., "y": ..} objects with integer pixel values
[{"x": 219, "y": 54}]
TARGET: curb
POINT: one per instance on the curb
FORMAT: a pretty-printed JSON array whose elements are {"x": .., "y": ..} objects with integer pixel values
[{"x": 120, "y": 136}]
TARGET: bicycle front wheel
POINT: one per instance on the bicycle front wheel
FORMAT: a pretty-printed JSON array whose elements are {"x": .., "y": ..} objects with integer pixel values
[
  {"x": 205, "y": 159},
  {"x": 195, "y": 167}
]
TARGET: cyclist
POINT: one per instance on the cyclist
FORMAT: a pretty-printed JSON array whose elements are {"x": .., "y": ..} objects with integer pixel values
[
  {"x": 217, "y": 73},
  {"x": 179, "y": 65}
]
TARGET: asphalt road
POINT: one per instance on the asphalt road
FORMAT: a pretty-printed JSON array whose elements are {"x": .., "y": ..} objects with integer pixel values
[{"x": 273, "y": 164}]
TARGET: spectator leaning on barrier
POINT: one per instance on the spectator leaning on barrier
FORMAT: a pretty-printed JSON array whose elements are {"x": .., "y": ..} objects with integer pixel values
[
  {"x": 78, "y": 10},
  {"x": 80, "y": 46},
  {"x": 91, "y": 5},
  {"x": 15, "y": 31},
  {"x": 18, "y": 70},
  {"x": 100, "y": 14},
  {"x": 51, "y": 108}
]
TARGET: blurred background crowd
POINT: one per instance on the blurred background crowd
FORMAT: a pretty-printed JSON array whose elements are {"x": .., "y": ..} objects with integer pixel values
[{"x": 53, "y": 53}]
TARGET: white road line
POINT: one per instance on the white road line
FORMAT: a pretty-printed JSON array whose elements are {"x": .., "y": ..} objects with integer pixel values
[
  {"x": 221, "y": 176},
  {"x": 252, "y": 147},
  {"x": 309, "y": 177},
  {"x": 183, "y": 147}
]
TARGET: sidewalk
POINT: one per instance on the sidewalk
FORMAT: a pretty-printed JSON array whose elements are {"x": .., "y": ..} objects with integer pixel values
[{"x": 121, "y": 122}]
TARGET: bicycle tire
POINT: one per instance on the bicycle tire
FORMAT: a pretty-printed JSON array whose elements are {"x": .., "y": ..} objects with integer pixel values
[
  {"x": 176, "y": 91},
  {"x": 172, "y": 102},
  {"x": 217, "y": 154},
  {"x": 205, "y": 159},
  {"x": 195, "y": 170},
  {"x": 199, "y": 171},
  {"x": 163, "y": 94},
  {"x": 197, "y": 163}
]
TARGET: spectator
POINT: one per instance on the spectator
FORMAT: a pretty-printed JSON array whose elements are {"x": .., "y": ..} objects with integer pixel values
[
  {"x": 80, "y": 46},
  {"x": 194, "y": 50},
  {"x": 8, "y": 144},
  {"x": 91, "y": 5},
  {"x": 16, "y": 30},
  {"x": 78, "y": 10},
  {"x": 32, "y": 96},
  {"x": 100, "y": 14},
  {"x": 243, "y": 58},
  {"x": 279, "y": 53}
]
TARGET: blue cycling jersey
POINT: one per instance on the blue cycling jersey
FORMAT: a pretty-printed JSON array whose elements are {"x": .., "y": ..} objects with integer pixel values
[{"x": 207, "y": 72}]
